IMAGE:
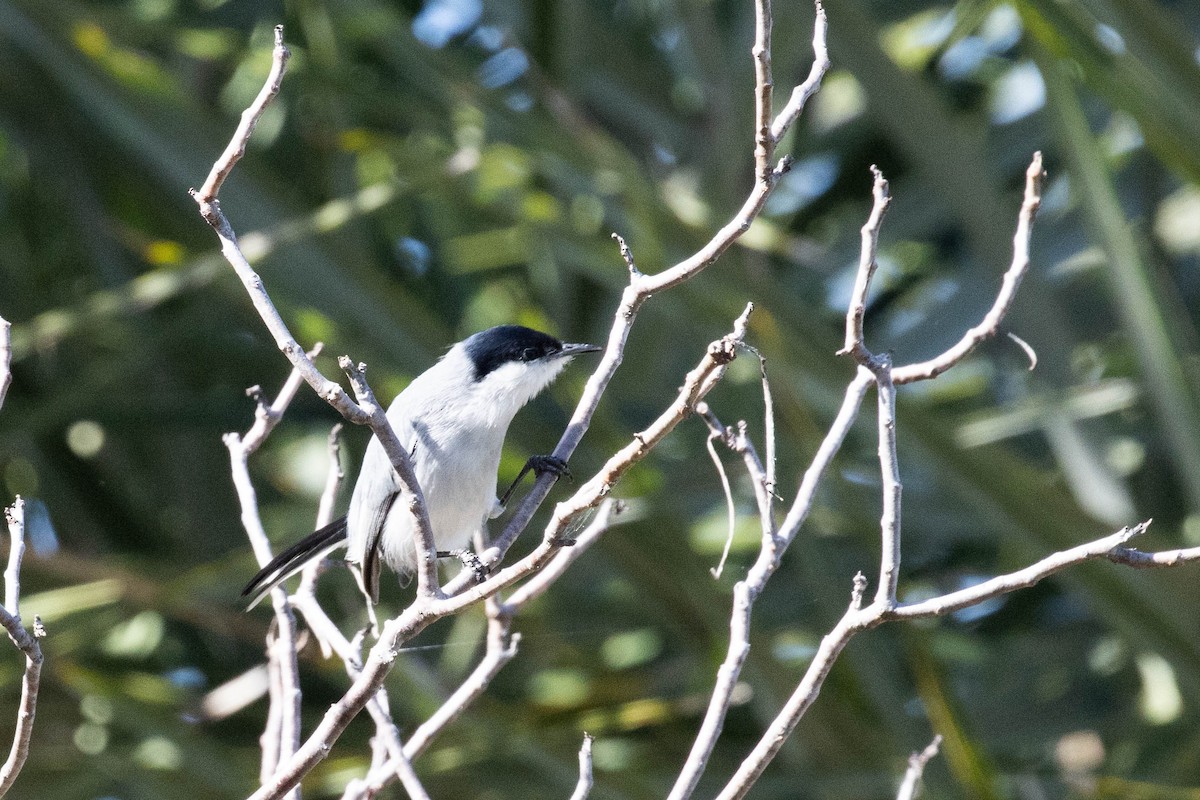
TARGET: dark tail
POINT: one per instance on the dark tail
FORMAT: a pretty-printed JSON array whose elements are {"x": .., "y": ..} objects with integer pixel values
[{"x": 289, "y": 562}]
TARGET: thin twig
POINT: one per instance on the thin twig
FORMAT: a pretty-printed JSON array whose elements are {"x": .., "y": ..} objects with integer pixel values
[
  {"x": 584, "y": 786},
  {"x": 270, "y": 741},
  {"x": 282, "y": 735},
  {"x": 806, "y": 495},
  {"x": 28, "y": 644},
  {"x": 626, "y": 255},
  {"x": 889, "y": 468},
  {"x": 744, "y": 594},
  {"x": 768, "y": 425},
  {"x": 502, "y": 646},
  {"x": 538, "y": 584},
  {"x": 1030, "y": 353},
  {"x": 916, "y": 768},
  {"x": 857, "y": 309},
  {"x": 5, "y": 358},
  {"x": 764, "y": 142},
  {"x": 990, "y": 324},
  {"x": 1143, "y": 560},
  {"x": 801, "y": 94},
  {"x": 730, "y": 509},
  {"x": 314, "y": 569},
  {"x": 237, "y": 145},
  {"x": 1111, "y": 547},
  {"x": 15, "y": 515}
]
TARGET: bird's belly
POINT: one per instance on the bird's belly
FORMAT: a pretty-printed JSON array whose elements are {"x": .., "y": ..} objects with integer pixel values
[{"x": 459, "y": 494}]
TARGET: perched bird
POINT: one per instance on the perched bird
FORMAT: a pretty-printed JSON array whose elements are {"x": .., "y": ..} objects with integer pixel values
[{"x": 452, "y": 420}]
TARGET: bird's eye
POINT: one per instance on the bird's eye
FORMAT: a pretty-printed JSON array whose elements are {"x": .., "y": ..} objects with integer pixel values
[{"x": 529, "y": 354}]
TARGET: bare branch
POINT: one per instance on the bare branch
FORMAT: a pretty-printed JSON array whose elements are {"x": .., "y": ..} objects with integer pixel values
[
  {"x": 501, "y": 648},
  {"x": 281, "y": 737},
  {"x": 333, "y": 479},
  {"x": 806, "y": 494},
  {"x": 270, "y": 741},
  {"x": 744, "y": 594},
  {"x": 802, "y": 93},
  {"x": 398, "y": 766},
  {"x": 1030, "y": 353},
  {"x": 768, "y": 427},
  {"x": 537, "y": 585},
  {"x": 268, "y": 416},
  {"x": 916, "y": 768},
  {"x": 5, "y": 358},
  {"x": 866, "y": 270},
  {"x": 237, "y": 146},
  {"x": 889, "y": 467},
  {"x": 626, "y": 256},
  {"x": 305, "y": 598},
  {"x": 1111, "y": 547},
  {"x": 584, "y": 787},
  {"x": 764, "y": 142},
  {"x": 990, "y": 324},
  {"x": 805, "y": 694},
  {"x": 1142, "y": 560},
  {"x": 28, "y": 644},
  {"x": 15, "y": 516},
  {"x": 858, "y": 591},
  {"x": 730, "y": 509}
]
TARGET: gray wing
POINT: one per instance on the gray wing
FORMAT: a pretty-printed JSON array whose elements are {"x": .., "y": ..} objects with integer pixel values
[{"x": 375, "y": 494}]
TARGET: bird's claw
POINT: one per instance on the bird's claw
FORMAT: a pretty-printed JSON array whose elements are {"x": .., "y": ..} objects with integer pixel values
[
  {"x": 539, "y": 465},
  {"x": 549, "y": 465}
]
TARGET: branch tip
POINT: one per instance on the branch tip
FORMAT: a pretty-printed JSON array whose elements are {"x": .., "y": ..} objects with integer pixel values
[
  {"x": 626, "y": 255},
  {"x": 858, "y": 590},
  {"x": 1030, "y": 353}
]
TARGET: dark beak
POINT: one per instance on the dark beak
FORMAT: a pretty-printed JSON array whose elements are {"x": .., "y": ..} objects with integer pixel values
[{"x": 572, "y": 350}]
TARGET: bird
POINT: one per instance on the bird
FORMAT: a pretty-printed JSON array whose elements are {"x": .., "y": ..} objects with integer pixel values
[{"x": 452, "y": 420}]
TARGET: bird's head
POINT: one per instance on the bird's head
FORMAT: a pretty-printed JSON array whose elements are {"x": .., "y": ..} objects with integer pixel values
[{"x": 512, "y": 363}]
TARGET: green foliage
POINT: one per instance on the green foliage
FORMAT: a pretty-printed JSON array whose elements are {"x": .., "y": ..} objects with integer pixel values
[{"x": 402, "y": 194}]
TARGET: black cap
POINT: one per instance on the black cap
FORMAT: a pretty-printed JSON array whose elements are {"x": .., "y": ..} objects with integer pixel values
[{"x": 497, "y": 346}]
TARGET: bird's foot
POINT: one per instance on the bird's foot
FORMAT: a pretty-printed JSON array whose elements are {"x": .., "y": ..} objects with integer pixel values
[
  {"x": 543, "y": 465},
  {"x": 539, "y": 465}
]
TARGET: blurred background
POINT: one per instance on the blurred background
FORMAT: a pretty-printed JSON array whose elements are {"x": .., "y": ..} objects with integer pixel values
[{"x": 431, "y": 169}]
